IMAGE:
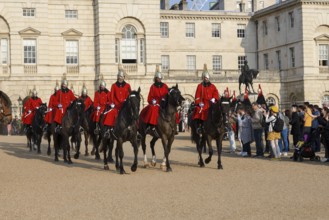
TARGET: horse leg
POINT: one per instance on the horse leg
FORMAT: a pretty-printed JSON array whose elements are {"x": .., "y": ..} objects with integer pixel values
[
  {"x": 69, "y": 161},
  {"x": 106, "y": 166},
  {"x": 152, "y": 144},
  {"x": 49, "y": 140},
  {"x": 86, "y": 143},
  {"x": 39, "y": 143},
  {"x": 78, "y": 143},
  {"x": 199, "y": 146},
  {"x": 169, "y": 143},
  {"x": 94, "y": 138},
  {"x": 219, "y": 151},
  {"x": 56, "y": 145},
  {"x": 252, "y": 87},
  {"x": 135, "y": 146},
  {"x": 208, "y": 159},
  {"x": 97, "y": 156},
  {"x": 116, "y": 156},
  {"x": 110, "y": 157},
  {"x": 121, "y": 154},
  {"x": 143, "y": 142}
]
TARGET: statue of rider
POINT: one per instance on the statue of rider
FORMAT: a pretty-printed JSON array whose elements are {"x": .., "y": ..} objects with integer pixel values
[{"x": 245, "y": 70}]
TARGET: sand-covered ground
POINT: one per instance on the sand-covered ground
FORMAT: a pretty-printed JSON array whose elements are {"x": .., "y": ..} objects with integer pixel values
[{"x": 33, "y": 186}]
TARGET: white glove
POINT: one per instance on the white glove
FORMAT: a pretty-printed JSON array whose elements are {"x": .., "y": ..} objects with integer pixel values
[
  {"x": 213, "y": 100},
  {"x": 201, "y": 104},
  {"x": 37, "y": 108},
  {"x": 163, "y": 99},
  {"x": 98, "y": 108},
  {"x": 112, "y": 105},
  {"x": 50, "y": 109},
  {"x": 60, "y": 106},
  {"x": 29, "y": 111},
  {"x": 154, "y": 101}
]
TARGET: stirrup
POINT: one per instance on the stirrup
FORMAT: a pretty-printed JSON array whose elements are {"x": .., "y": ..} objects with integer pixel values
[
  {"x": 112, "y": 132},
  {"x": 81, "y": 129},
  {"x": 107, "y": 133},
  {"x": 58, "y": 129}
]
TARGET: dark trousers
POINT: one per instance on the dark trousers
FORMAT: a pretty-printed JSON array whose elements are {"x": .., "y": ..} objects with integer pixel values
[
  {"x": 295, "y": 138},
  {"x": 246, "y": 148},
  {"x": 268, "y": 147},
  {"x": 258, "y": 133},
  {"x": 315, "y": 140}
]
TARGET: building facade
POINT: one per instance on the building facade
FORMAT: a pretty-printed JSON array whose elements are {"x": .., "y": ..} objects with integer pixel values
[{"x": 86, "y": 40}]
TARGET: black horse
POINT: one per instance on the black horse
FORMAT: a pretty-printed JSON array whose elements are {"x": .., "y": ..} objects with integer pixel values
[
  {"x": 37, "y": 126},
  {"x": 247, "y": 79},
  {"x": 86, "y": 131},
  {"x": 214, "y": 129},
  {"x": 71, "y": 122},
  {"x": 165, "y": 128},
  {"x": 125, "y": 129}
]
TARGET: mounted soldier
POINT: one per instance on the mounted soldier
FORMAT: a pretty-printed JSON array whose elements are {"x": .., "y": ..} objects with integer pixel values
[
  {"x": 86, "y": 98},
  {"x": 52, "y": 105},
  {"x": 30, "y": 107},
  {"x": 247, "y": 76}
]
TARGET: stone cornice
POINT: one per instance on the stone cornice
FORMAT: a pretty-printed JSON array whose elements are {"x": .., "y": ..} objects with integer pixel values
[
  {"x": 29, "y": 32},
  {"x": 192, "y": 15}
]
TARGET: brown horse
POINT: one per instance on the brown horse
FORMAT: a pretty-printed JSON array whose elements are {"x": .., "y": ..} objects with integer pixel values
[{"x": 5, "y": 109}]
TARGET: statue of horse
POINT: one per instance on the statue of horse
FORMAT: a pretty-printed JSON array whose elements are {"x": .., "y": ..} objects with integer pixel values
[
  {"x": 125, "y": 129},
  {"x": 71, "y": 123},
  {"x": 165, "y": 128},
  {"x": 37, "y": 126},
  {"x": 5, "y": 109},
  {"x": 214, "y": 129},
  {"x": 247, "y": 78}
]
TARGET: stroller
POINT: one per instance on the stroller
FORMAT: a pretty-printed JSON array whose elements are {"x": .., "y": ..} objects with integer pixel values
[{"x": 305, "y": 150}]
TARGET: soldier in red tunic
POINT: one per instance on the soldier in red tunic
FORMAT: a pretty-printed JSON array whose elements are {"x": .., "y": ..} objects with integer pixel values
[
  {"x": 206, "y": 92},
  {"x": 64, "y": 97},
  {"x": 101, "y": 99},
  {"x": 119, "y": 93},
  {"x": 86, "y": 99},
  {"x": 157, "y": 94},
  {"x": 52, "y": 106},
  {"x": 30, "y": 107}
]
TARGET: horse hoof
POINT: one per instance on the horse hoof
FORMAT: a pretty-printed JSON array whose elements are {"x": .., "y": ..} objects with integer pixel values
[
  {"x": 39, "y": 151},
  {"x": 86, "y": 154},
  {"x": 220, "y": 167},
  {"x": 97, "y": 157},
  {"x": 153, "y": 164},
  {"x": 110, "y": 160},
  {"x": 92, "y": 152},
  {"x": 70, "y": 162},
  {"x": 207, "y": 160},
  {"x": 146, "y": 165},
  {"x": 48, "y": 153},
  {"x": 122, "y": 171},
  {"x": 169, "y": 169},
  {"x": 163, "y": 167},
  {"x": 56, "y": 159},
  {"x": 201, "y": 164},
  {"x": 106, "y": 167},
  {"x": 76, "y": 156},
  {"x": 134, "y": 167}
]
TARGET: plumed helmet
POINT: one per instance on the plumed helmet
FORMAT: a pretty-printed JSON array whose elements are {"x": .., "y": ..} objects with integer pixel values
[
  {"x": 102, "y": 83},
  {"x": 65, "y": 82},
  {"x": 158, "y": 74},
  {"x": 205, "y": 73},
  {"x": 56, "y": 88},
  {"x": 84, "y": 91},
  {"x": 120, "y": 74},
  {"x": 34, "y": 93}
]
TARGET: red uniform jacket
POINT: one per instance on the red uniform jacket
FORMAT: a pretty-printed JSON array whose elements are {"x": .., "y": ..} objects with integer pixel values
[
  {"x": 63, "y": 97},
  {"x": 119, "y": 93},
  {"x": 204, "y": 93},
  {"x": 150, "y": 113},
  {"x": 52, "y": 106},
  {"x": 29, "y": 109},
  {"x": 101, "y": 98},
  {"x": 87, "y": 101}
]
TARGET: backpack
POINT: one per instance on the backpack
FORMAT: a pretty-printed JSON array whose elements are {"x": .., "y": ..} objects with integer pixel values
[{"x": 278, "y": 125}]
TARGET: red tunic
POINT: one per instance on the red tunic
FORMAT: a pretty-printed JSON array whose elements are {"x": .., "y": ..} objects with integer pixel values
[
  {"x": 101, "y": 98},
  {"x": 203, "y": 94},
  {"x": 63, "y": 97},
  {"x": 29, "y": 109},
  {"x": 119, "y": 93},
  {"x": 87, "y": 101},
  {"x": 52, "y": 106},
  {"x": 150, "y": 113}
]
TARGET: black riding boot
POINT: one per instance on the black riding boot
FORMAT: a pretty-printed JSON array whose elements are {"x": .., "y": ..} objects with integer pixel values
[
  {"x": 96, "y": 131},
  {"x": 200, "y": 128},
  {"x": 58, "y": 128}
]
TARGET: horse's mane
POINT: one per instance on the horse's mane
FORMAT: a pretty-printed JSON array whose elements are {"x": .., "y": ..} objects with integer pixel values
[{"x": 125, "y": 103}]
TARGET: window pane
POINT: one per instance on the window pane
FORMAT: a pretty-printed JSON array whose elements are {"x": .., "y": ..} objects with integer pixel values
[
  {"x": 72, "y": 52},
  {"x": 217, "y": 63},
  {"x": 241, "y": 60},
  {"x": 190, "y": 31},
  {"x": 191, "y": 63},
  {"x": 165, "y": 62},
  {"x": 216, "y": 30},
  {"x": 241, "y": 30},
  {"x": 4, "y": 51},
  {"x": 164, "y": 29},
  {"x": 29, "y": 51},
  {"x": 28, "y": 12}
]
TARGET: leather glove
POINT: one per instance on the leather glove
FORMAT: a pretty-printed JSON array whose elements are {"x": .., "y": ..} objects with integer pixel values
[
  {"x": 154, "y": 101},
  {"x": 60, "y": 106},
  {"x": 112, "y": 105},
  {"x": 213, "y": 100},
  {"x": 201, "y": 104}
]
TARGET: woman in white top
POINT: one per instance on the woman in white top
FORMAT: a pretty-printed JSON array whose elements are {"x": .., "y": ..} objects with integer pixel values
[{"x": 273, "y": 136}]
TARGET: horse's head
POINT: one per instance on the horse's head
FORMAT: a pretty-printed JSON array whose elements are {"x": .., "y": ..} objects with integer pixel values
[
  {"x": 42, "y": 109},
  {"x": 225, "y": 105},
  {"x": 254, "y": 73},
  {"x": 77, "y": 106},
  {"x": 133, "y": 103},
  {"x": 174, "y": 96}
]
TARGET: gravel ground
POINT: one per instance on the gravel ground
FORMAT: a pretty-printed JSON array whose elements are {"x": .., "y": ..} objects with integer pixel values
[{"x": 33, "y": 186}]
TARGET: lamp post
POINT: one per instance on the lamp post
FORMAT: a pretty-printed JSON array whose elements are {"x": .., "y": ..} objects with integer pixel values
[{"x": 20, "y": 105}]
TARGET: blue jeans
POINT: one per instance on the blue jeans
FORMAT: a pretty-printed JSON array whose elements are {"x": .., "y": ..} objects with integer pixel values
[
  {"x": 231, "y": 137},
  {"x": 258, "y": 133},
  {"x": 284, "y": 137}
]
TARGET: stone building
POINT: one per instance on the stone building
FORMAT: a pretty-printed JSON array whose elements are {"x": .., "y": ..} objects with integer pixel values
[{"x": 43, "y": 39}]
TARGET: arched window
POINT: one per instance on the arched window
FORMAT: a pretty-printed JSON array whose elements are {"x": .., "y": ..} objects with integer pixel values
[
  {"x": 129, "y": 44},
  {"x": 270, "y": 101},
  {"x": 129, "y": 32}
]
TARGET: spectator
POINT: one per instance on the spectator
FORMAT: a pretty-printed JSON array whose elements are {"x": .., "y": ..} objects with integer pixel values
[
  {"x": 284, "y": 134},
  {"x": 257, "y": 121},
  {"x": 308, "y": 118},
  {"x": 324, "y": 122},
  {"x": 247, "y": 136},
  {"x": 273, "y": 136},
  {"x": 14, "y": 125},
  {"x": 295, "y": 125},
  {"x": 301, "y": 112},
  {"x": 314, "y": 130},
  {"x": 231, "y": 132}
]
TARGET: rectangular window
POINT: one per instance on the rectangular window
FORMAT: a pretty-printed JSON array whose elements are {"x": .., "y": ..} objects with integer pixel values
[
  {"x": 190, "y": 30},
  {"x": 117, "y": 50},
  {"x": 142, "y": 50},
  {"x": 30, "y": 51},
  {"x": 165, "y": 62},
  {"x": 278, "y": 57},
  {"x": 291, "y": 19},
  {"x": 4, "y": 51},
  {"x": 216, "y": 63},
  {"x": 164, "y": 29},
  {"x": 28, "y": 12},
  {"x": 241, "y": 60},
  {"x": 216, "y": 30},
  {"x": 191, "y": 63},
  {"x": 71, "y": 13},
  {"x": 323, "y": 54},
  {"x": 72, "y": 52},
  {"x": 241, "y": 30},
  {"x": 292, "y": 56},
  {"x": 264, "y": 28},
  {"x": 266, "y": 61},
  {"x": 277, "y": 21}
]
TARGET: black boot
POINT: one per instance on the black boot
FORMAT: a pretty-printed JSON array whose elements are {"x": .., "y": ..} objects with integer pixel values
[
  {"x": 200, "y": 128},
  {"x": 58, "y": 128}
]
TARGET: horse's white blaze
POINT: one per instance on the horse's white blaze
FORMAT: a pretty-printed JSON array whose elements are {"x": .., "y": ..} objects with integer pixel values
[{"x": 154, "y": 159}]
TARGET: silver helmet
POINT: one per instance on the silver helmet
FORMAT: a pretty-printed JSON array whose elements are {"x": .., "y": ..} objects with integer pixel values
[
  {"x": 84, "y": 91},
  {"x": 205, "y": 73},
  {"x": 158, "y": 75},
  {"x": 102, "y": 83},
  {"x": 34, "y": 93},
  {"x": 65, "y": 82},
  {"x": 121, "y": 74}
]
